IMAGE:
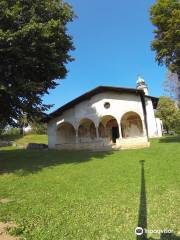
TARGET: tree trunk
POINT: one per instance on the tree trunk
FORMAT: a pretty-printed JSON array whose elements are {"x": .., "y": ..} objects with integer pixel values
[
  {"x": 21, "y": 130},
  {"x": 167, "y": 129}
]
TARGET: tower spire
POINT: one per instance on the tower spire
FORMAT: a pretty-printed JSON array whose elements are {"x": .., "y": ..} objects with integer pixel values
[{"x": 141, "y": 84}]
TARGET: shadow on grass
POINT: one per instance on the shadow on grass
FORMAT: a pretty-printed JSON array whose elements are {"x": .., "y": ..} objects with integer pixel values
[
  {"x": 170, "y": 139},
  {"x": 166, "y": 236},
  {"x": 142, "y": 215},
  {"x": 22, "y": 161}
]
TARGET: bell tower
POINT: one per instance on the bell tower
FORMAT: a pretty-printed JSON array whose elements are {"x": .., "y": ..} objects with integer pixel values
[{"x": 141, "y": 84}]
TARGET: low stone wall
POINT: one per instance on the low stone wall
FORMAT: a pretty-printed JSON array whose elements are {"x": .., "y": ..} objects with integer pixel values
[
  {"x": 95, "y": 145},
  {"x": 103, "y": 145},
  {"x": 133, "y": 143},
  {"x": 5, "y": 143},
  {"x": 36, "y": 146}
]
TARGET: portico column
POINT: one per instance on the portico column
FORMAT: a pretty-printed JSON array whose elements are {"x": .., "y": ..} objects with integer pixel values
[
  {"x": 77, "y": 138},
  {"x": 120, "y": 132},
  {"x": 97, "y": 133}
]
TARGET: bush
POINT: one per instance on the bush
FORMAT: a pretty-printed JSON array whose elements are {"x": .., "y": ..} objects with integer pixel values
[
  {"x": 177, "y": 126},
  {"x": 12, "y": 132},
  {"x": 39, "y": 128}
]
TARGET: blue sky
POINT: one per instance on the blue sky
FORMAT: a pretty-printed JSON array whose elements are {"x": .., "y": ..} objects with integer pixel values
[{"x": 112, "y": 40}]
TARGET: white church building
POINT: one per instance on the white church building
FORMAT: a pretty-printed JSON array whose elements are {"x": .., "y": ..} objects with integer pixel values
[{"x": 106, "y": 118}]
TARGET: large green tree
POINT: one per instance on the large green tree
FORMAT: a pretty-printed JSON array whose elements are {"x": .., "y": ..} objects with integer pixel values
[
  {"x": 165, "y": 15},
  {"x": 169, "y": 113},
  {"x": 34, "y": 51}
]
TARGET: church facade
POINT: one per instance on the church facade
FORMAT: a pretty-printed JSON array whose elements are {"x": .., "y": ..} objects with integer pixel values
[{"x": 106, "y": 118}]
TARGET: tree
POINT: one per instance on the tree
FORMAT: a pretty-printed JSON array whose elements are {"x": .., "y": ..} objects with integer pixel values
[
  {"x": 2, "y": 127},
  {"x": 172, "y": 86},
  {"x": 34, "y": 51},
  {"x": 165, "y": 15},
  {"x": 169, "y": 113},
  {"x": 22, "y": 123},
  {"x": 39, "y": 128}
]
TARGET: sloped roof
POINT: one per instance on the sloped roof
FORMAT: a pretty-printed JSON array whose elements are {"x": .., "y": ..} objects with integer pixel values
[{"x": 95, "y": 91}]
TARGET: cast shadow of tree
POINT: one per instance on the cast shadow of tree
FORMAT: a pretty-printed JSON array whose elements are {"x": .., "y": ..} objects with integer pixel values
[
  {"x": 142, "y": 215},
  {"x": 23, "y": 162},
  {"x": 170, "y": 139}
]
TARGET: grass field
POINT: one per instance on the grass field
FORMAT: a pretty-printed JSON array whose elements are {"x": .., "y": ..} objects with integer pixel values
[
  {"x": 32, "y": 139},
  {"x": 29, "y": 138},
  {"x": 56, "y": 195}
]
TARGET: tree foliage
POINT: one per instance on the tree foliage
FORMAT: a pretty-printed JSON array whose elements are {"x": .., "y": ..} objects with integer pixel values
[
  {"x": 169, "y": 113},
  {"x": 172, "y": 86},
  {"x": 34, "y": 51},
  {"x": 39, "y": 128},
  {"x": 165, "y": 15}
]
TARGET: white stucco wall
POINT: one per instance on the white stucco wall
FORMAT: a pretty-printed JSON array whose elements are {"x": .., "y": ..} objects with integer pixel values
[
  {"x": 52, "y": 127},
  {"x": 94, "y": 109},
  {"x": 159, "y": 127},
  {"x": 151, "y": 120}
]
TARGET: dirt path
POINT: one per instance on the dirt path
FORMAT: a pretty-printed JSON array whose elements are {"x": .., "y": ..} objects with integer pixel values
[{"x": 3, "y": 231}]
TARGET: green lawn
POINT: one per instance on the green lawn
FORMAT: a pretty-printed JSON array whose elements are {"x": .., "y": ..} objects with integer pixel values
[
  {"x": 58, "y": 195},
  {"x": 32, "y": 138}
]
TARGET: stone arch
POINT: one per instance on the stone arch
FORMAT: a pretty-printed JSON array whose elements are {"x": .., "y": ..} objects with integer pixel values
[
  {"x": 65, "y": 133},
  {"x": 86, "y": 130},
  {"x": 131, "y": 125},
  {"x": 108, "y": 128}
]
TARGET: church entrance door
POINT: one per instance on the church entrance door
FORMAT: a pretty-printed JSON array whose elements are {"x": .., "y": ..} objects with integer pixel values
[{"x": 115, "y": 134}]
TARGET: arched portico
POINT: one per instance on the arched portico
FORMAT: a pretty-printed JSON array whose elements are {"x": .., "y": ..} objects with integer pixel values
[
  {"x": 86, "y": 130},
  {"x": 108, "y": 128},
  {"x": 65, "y": 133},
  {"x": 87, "y": 134},
  {"x": 131, "y": 125}
]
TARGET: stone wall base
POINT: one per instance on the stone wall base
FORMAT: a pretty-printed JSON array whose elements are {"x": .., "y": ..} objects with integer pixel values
[{"x": 100, "y": 145}]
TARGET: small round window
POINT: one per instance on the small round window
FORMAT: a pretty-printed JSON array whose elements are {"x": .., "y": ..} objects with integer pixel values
[{"x": 107, "y": 105}]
